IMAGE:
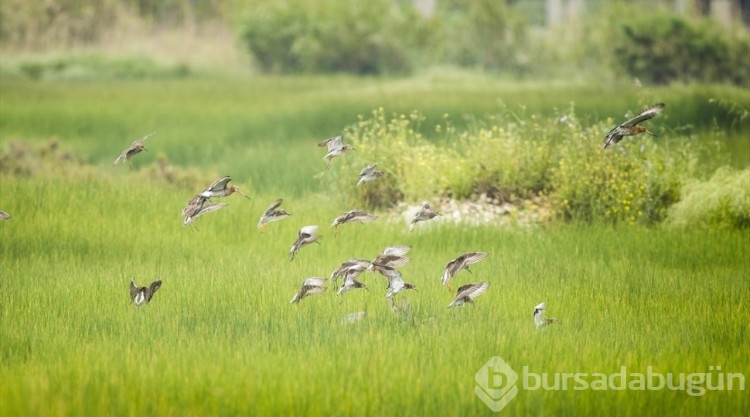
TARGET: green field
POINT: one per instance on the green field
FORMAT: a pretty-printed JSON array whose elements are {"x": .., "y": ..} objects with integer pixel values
[{"x": 220, "y": 337}]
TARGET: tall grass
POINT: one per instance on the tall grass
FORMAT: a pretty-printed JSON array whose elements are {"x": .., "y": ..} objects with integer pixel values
[{"x": 220, "y": 337}]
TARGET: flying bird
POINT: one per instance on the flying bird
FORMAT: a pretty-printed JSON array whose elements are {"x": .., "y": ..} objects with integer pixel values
[
  {"x": 392, "y": 257},
  {"x": 336, "y": 147},
  {"x": 369, "y": 173},
  {"x": 197, "y": 208},
  {"x": 4, "y": 215},
  {"x": 631, "y": 128},
  {"x": 135, "y": 148},
  {"x": 356, "y": 265},
  {"x": 353, "y": 216},
  {"x": 350, "y": 283},
  {"x": 462, "y": 262},
  {"x": 142, "y": 295},
  {"x": 221, "y": 188},
  {"x": 306, "y": 236},
  {"x": 273, "y": 213},
  {"x": 310, "y": 286},
  {"x": 396, "y": 282},
  {"x": 468, "y": 292},
  {"x": 425, "y": 213},
  {"x": 539, "y": 318}
]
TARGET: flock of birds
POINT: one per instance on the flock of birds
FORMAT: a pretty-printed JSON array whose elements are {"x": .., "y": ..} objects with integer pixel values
[{"x": 387, "y": 262}]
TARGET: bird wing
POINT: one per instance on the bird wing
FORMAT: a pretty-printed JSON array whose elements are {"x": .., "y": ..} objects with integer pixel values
[
  {"x": 471, "y": 258},
  {"x": 143, "y": 139},
  {"x": 203, "y": 210},
  {"x": 540, "y": 306},
  {"x": 308, "y": 231},
  {"x": 152, "y": 289},
  {"x": 273, "y": 207},
  {"x": 400, "y": 250},
  {"x": 133, "y": 289},
  {"x": 314, "y": 282},
  {"x": 367, "y": 170},
  {"x": 219, "y": 184},
  {"x": 472, "y": 291},
  {"x": 362, "y": 216},
  {"x": 644, "y": 115}
]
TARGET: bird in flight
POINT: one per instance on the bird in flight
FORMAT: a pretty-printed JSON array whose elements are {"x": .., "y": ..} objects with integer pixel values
[
  {"x": 462, "y": 262},
  {"x": 468, "y": 292},
  {"x": 310, "y": 286},
  {"x": 539, "y": 318},
  {"x": 631, "y": 127},
  {"x": 425, "y": 213},
  {"x": 336, "y": 147},
  {"x": 273, "y": 213},
  {"x": 142, "y": 295},
  {"x": 220, "y": 188},
  {"x": 306, "y": 236},
  {"x": 135, "y": 148}
]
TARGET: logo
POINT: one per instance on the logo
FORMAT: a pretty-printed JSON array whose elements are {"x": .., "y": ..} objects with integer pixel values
[{"x": 496, "y": 383}]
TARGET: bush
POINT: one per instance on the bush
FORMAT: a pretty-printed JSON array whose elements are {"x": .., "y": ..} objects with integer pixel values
[
  {"x": 516, "y": 158},
  {"x": 723, "y": 201},
  {"x": 372, "y": 37},
  {"x": 663, "y": 48}
]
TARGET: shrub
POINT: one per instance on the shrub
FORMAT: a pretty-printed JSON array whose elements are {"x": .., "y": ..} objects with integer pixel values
[
  {"x": 663, "y": 48},
  {"x": 723, "y": 201},
  {"x": 370, "y": 37}
]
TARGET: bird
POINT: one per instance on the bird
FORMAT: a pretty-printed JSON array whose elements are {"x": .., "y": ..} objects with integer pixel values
[
  {"x": 310, "y": 286},
  {"x": 353, "y": 216},
  {"x": 199, "y": 208},
  {"x": 358, "y": 265},
  {"x": 306, "y": 236},
  {"x": 142, "y": 295},
  {"x": 193, "y": 204},
  {"x": 392, "y": 257},
  {"x": 135, "y": 148},
  {"x": 350, "y": 283},
  {"x": 541, "y": 321},
  {"x": 468, "y": 292},
  {"x": 4, "y": 215},
  {"x": 462, "y": 262},
  {"x": 369, "y": 173},
  {"x": 425, "y": 213},
  {"x": 220, "y": 188},
  {"x": 273, "y": 213},
  {"x": 631, "y": 128},
  {"x": 396, "y": 282},
  {"x": 336, "y": 148}
]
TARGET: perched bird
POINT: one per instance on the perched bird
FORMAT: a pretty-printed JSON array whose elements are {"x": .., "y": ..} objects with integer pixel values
[
  {"x": 336, "y": 148},
  {"x": 396, "y": 282},
  {"x": 353, "y": 216},
  {"x": 273, "y": 213},
  {"x": 369, "y": 173},
  {"x": 4, "y": 215},
  {"x": 356, "y": 265},
  {"x": 310, "y": 286},
  {"x": 462, "y": 262},
  {"x": 306, "y": 236},
  {"x": 143, "y": 295},
  {"x": 220, "y": 188},
  {"x": 468, "y": 292},
  {"x": 392, "y": 257},
  {"x": 541, "y": 321},
  {"x": 350, "y": 283},
  {"x": 135, "y": 148},
  {"x": 193, "y": 211},
  {"x": 425, "y": 213},
  {"x": 631, "y": 128}
]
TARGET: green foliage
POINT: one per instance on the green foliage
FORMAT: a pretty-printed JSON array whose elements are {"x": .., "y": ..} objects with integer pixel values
[
  {"x": 363, "y": 37},
  {"x": 95, "y": 66},
  {"x": 723, "y": 201},
  {"x": 661, "y": 48},
  {"x": 512, "y": 157}
]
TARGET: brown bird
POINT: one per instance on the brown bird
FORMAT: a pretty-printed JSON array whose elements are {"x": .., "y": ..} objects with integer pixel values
[
  {"x": 142, "y": 295},
  {"x": 425, "y": 213},
  {"x": 468, "y": 292},
  {"x": 306, "y": 236},
  {"x": 336, "y": 147},
  {"x": 4, "y": 215},
  {"x": 273, "y": 213},
  {"x": 350, "y": 283},
  {"x": 135, "y": 148},
  {"x": 353, "y": 216},
  {"x": 310, "y": 286},
  {"x": 631, "y": 128},
  {"x": 462, "y": 262},
  {"x": 220, "y": 188},
  {"x": 396, "y": 282},
  {"x": 391, "y": 257},
  {"x": 197, "y": 208},
  {"x": 356, "y": 265}
]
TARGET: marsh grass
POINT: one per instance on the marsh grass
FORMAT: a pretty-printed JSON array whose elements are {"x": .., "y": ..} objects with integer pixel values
[{"x": 221, "y": 338}]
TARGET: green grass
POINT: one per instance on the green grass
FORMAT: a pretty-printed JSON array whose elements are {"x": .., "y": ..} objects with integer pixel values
[{"x": 221, "y": 338}]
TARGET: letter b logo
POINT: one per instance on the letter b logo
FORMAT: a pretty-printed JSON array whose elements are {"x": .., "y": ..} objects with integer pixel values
[{"x": 496, "y": 383}]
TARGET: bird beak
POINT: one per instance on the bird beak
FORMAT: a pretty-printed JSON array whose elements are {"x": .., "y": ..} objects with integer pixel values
[
  {"x": 651, "y": 133},
  {"x": 243, "y": 194}
]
